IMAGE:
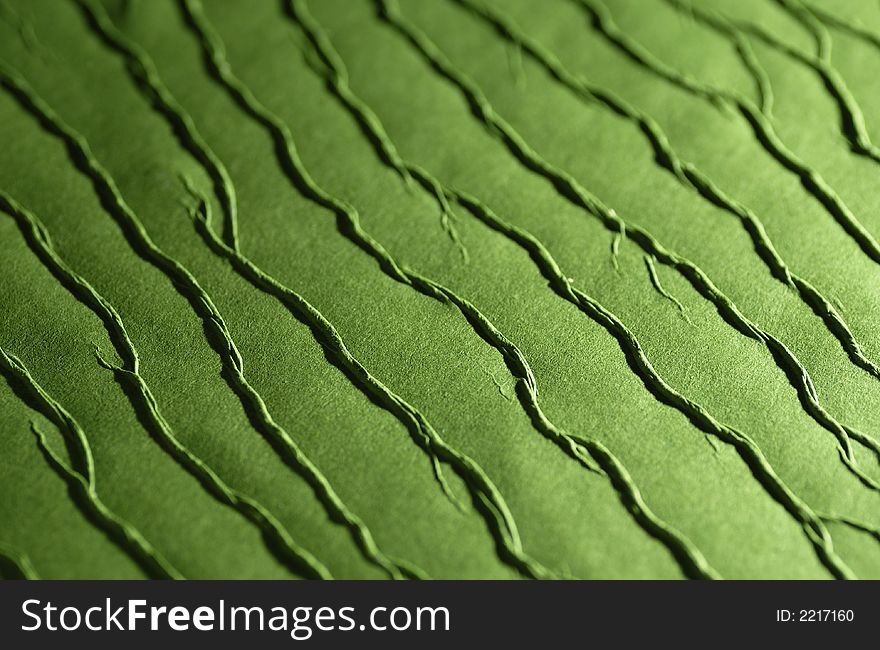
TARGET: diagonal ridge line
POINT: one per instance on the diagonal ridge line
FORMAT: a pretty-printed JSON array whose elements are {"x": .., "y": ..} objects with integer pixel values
[
  {"x": 586, "y": 451},
  {"x": 82, "y": 482},
  {"x": 128, "y": 374},
  {"x": 487, "y": 497},
  {"x": 691, "y": 177},
  {"x": 762, "y": 128},
  {"x": 17, "y": 563},
  {"x": 748, "y": 450},
  {"x": 571, "y": 189}
]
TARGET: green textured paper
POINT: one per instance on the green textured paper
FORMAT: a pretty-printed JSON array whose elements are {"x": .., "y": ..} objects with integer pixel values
[{"x": 439, "y": 288}]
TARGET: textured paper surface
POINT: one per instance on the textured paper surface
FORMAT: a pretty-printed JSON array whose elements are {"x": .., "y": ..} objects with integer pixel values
[{"x": 439, "y": 288}]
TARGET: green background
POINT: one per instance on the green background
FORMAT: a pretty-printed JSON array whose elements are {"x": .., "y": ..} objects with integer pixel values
[{"x": 742, "y": 477}]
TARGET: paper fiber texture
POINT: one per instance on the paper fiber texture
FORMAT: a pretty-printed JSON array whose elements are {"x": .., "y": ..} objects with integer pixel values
[{"x": 439, "y": 288}]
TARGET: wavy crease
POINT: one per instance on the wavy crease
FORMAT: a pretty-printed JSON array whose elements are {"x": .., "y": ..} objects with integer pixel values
[
  {"x": 82, "y": 482},
  {"x": 485, "y": 494},
  {"x": 128, "y": 373},
  {"x": 571, "y": 189},
  {"x": 584, "y": 450}
]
